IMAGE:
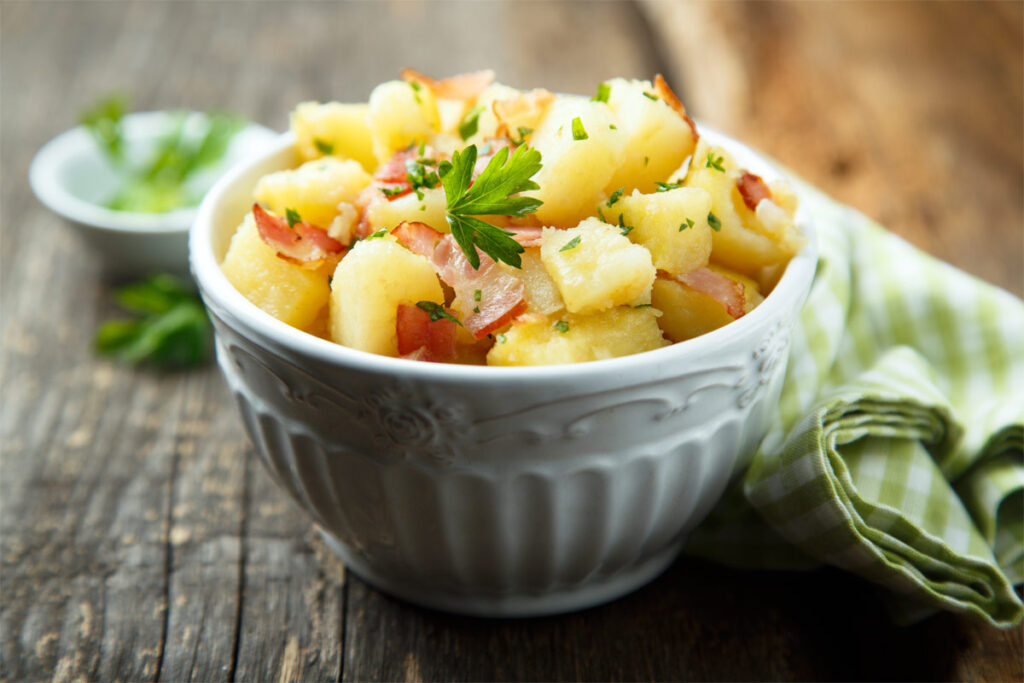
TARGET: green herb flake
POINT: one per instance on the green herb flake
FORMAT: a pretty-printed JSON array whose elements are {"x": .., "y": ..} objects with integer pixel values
[
  {"x": 578, "y": 131},
  {"x": 470, "y": 123},
  {"x": 623, "y": 228},
  {"x": 612, "y": 126},
  {"x": 665, "y": 187},
  {"x": 562, "y": 326},
  {"x": 688, "y": 223},
  {"x": 416, "y": 91},
  {"x": 603, "y": 91},
  {"x": 600, "y": 214},
  {"x": 476, "y": 309},
  {"x": 523, "y": 132},
  {"x": 647, "y": 160},
  {"x": 325, "y": 147},
  {"x": 571, "y": 244},
  {"x": 651, "y": 96},
  {"x": 477, "y": 294},
  {"x": 293, "y": 217},
  {"x": 643, "y": 305},
  {"x": 502, "y": 338},
  {"x": 615, "y": 197},
  {"x": 377, "y": 235},
  {"x": 419, "y": 177},
  {"x": 715, "y": 163},
  {"x": 436, "y": 311},
  {"x": 713, "y": 221},
  {"x": 171, "y": 330},
  {"x": 393, "y": 191},
  {"x": 495, "y": 192}
]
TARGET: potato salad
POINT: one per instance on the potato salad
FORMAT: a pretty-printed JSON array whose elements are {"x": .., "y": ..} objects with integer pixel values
[{"x": 465, "y": 221}]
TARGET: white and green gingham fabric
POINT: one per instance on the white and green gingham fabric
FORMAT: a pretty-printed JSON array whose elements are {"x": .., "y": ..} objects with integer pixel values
[{"x": 898, "y": 450}]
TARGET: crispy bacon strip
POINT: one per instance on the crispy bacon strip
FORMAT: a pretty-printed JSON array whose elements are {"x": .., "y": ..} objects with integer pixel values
[
  {"x": 302, "y": 244},
  {"x": 460, "y": 87},
  {"x": 527, "y": 106},
  {"x": 420, "y": 338},
  {"x": 417, "y": 237},
  {"x": 752, "y": 189},
  {"x": 662, "y": 90},
  {"x": 725, "y": 290}
]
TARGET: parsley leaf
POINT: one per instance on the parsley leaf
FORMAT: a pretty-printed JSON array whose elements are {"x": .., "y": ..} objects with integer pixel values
[
  {"x": 688, "y": 223},
  {"x": 571, "y": 244},
  {"x": 665, "y": 187},
  {"x": 714, "y": 163},
  {"x": 650, "y": 96},
  {"x": 293, "y": 217},
  {"x": 501, "y": 338},
  {"x": 578, "y": 131},
  {"x": 615, "y": 197},
  {"x": 523, "y": 132},
  {"x": 392, "y": 191},
  {"x": 170, "y": 332},
  {"x": 603, "y": 91},
  {"x": 562, "y": 326},
  {"x": 324, "y": 146},
  {"x": 713, "y": 221},
  {"x": 471, "y": 123},
  {"x": 103, "y": 121},
  {"x": 437, "y": 312},
  {"x": 491, "y": 194},
  {"x": 377, "y": 235},
  {"x": 623, "y": 228}
]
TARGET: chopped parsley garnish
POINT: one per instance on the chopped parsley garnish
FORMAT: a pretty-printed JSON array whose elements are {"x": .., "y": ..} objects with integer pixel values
[
  {"x": 562, "y": 326},
  {"x": 170, "y": 330},
  {"x": 380, "y": 233},
  {"x": 571, "y": 244},
  {"x": 612, "y": 126},
  {"x": 436, "y": 311},
  {"x": 603, "y": 91},
  {"x": 292, "y": 216},
  {"x": 419, "y": 177},
  {"x": 615, "y": 197},
  {"x": 600, "y": 214},
  {"x": 643, "y": 305},
  {"x": 713, "y": 221},
  {"x": 623, "y": 228},
  {"x": 712, "y": 162},
  {"x": 578, "y": 131},
  {"x": 477, "y": 294},
  {"x": 470, "y": 123},
  {"x": 688, "y": 223},
  {"x": 392, "y": 191},
  {"x": 650, "y": 96},
  {"x": 494, "y": 192},
  {"x": 647, "y": 160},
  {"x": 416, "y": 91},
  {"x": 523, "y": 132},
  {"x": 324, "y": 146},
  {"x": 476, "y": 309},
  {"x": 665, "y": 187},
  {"x": 502, "y": 338}
]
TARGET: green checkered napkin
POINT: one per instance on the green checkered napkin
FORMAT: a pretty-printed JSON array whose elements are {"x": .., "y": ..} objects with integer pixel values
[{"x": 898, "y": 451}]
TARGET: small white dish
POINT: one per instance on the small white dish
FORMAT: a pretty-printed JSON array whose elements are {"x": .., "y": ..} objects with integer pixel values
[{"x": 71, "y": 176}]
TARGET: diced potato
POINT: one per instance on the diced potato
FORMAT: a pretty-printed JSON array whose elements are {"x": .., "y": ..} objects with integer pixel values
[
  {"x": 735, "y": 246},
  {"x": 672, "y": 225},
  {"x": 333, "y": 128},
  {"x": 314, "y": 189},
  {"x": 487, "y": 124},
  {"x": 575, "y": 172},
  {"x": 289, "y": 292},
  {"x": 385, "y": 213},
  {"x": 657, "y": 138},
  {"x": 687, "y": 313},
  {"x": 540, "y": 340},
  {"x": 370, "y": 282},
  {"x": 401, "y": 113},
  {"x": 596, "y": 267},
  {"x": 541, "y": 291}
]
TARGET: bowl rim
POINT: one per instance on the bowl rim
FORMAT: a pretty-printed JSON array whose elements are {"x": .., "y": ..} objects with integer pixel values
[
  {"x": 219, "y": 293},
  {"x": 46, "y": 184}
]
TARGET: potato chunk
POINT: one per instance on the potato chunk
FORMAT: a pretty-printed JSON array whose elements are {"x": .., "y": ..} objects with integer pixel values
[
  {"x": 575, "y": 171},
  {"x": 657, "y": 138},
  {"x": 289, "y": 292},
  {"x": 672, "y": 225},
  {"x": 387, "y": 213},
  {"x": 333, "y": 129},
  {"x": 687, "y": 313},
  {"x": 596, "y": 267},
  {"x": 368, "y": 285},
  {"x": 314, "y": 189},
  {"x": 541, "y": 293},
  {"x": 401, "y": 113},
  {"x": 542, "y": 340}
]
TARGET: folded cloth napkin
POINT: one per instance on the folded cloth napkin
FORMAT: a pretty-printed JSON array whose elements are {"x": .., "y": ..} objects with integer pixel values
[{"x": 898, "y": 449}]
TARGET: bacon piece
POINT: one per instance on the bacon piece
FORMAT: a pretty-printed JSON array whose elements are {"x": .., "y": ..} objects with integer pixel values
[
  {"x": 752, "y": 189},
  {"x": 419, "y": 238},
  {"x": 302, "y": 244},
  {"x": 501, "y": 293},
  {"x": 662, "y": 90},
  {"x": 527, "y": 106},
  {"x": 460, "y": 87},
  {"x": 526, "y": 236},
  {"x": 420, "y": 338},
  {"x": 725, "y": 290}
]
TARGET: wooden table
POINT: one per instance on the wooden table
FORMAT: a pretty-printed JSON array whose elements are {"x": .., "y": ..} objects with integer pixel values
[{"x": 141, "y": 539}]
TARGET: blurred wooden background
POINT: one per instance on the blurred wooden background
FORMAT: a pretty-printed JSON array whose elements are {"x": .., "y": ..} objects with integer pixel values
[{"x": 139, "y": 538}]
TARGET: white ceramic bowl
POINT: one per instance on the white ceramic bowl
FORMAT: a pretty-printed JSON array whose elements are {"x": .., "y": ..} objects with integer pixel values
[
  {"x": 73, "y": 179},
  {"x": 487, "y": 490}
]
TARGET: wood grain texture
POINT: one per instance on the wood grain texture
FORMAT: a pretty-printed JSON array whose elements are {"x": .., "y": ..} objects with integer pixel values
[{"x": 140, "y": 539}]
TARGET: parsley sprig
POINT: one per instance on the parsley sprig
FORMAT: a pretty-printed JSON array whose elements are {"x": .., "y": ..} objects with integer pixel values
[
  {"x": 170, "y": 330},
  {"x": 494, "y": 192}
]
